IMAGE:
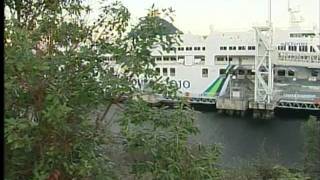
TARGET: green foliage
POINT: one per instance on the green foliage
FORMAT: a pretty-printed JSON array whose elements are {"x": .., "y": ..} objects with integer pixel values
[
  {"x": 311, "y": 130},
  {"x": 51, "y": 85},
  {"x": 158, "y": 138},
  {"x": 56, "y": 75}
]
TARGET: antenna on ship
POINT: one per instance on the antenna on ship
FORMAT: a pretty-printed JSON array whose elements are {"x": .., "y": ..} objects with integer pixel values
[
  {"x": 294, "y": 17},
  {"x": 270, "y": 13}
]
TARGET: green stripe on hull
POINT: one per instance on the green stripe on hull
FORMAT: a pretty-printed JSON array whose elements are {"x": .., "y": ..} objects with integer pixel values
[
  {"x": 213, "y": 84},
  {"x": 216, "y": 86},
  {"x": 213, "y": 90}
]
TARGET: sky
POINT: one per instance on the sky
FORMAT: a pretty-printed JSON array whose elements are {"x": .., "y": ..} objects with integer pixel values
[{"x": 196, "y": 16}]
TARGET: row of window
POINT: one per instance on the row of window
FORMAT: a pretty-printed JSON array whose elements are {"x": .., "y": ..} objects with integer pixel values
[
  {"x": 172, "y": 72},
  {"x": 165, "y": 71},
  {"x": 294, "y": 48},
  {"x": 174, "y": 58},
  {"x": 168, "y": 58},
  {"x": 223, "y": 58},
  {"x": 189, "y": 48},
  {"x": 282, "y": 72},
  {"x": 233, "y": 48},
  {"x": 205, "y": 72}
]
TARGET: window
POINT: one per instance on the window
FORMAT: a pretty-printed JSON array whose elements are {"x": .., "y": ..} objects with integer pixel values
[
  {"x": 314, "y": 73},
  {"x": 223, "y": 48},
  {"x": 158, "y": 58},
  {"x": 234, "y": 48},
  {"x": 303, "y": 48},
  {"x": 188, "y": 48},
  {"x": 165, "y": 71},
  {"x": 292, "y": 48},
  {"x": 254, "y": 48},
  {"x": 180, "y": 48},
  {"x": 180, "y": 57},
  {"x": 220, "y": 58},
  {"x": 222, "y": 71},
  {"x": 172, "y": 71},
  {"x": 158, "y": 71},
  {"x": 230, "y": 58},
  {"x": 312, "y": 49},
  {"x": 166, "y": 58},
  {"x": 196, "y": 48},
  {"x": 281, "y": 72},
  {"x": 172, "y": 49},
  {"x": 230, "y": 47},
  {"x": 241, "y": 72},
  {"x": 202, "y": 58},
  {"x": 173, "y": 58},
  {"x": 241, "y": 48},
  {"x": 282, "y": 48},
  {"x": 203, "y": 48},
  {"x": 291, "y": 73},
  {"x": 205, "y": 72}
]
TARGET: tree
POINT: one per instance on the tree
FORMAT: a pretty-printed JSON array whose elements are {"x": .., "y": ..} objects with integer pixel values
[
  {"x": 311, "y": 130},
  {"x": 56, "y": 75},
  {"x": 158, "y": 139},
  {"x": 51, "y": 71}
]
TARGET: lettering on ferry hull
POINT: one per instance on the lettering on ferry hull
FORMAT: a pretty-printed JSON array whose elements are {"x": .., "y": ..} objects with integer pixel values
[
  {"x": 178, "y": 83},
  {"x": 181, "y": 83}
]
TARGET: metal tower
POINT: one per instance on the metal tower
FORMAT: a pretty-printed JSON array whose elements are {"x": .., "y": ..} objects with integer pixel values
[{"x": 263, "y": 90}]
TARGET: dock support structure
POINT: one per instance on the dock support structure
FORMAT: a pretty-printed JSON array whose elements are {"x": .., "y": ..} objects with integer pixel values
[{"x": 263, "y": 68}]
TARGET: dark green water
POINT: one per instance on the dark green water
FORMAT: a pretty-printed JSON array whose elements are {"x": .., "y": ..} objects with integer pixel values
[{"x": 243, "y": 138}]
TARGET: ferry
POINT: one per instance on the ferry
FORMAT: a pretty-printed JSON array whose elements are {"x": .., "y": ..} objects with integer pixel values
[{"x": 202, "y": 66}]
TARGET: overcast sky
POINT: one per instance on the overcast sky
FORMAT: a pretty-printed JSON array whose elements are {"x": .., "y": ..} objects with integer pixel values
[{"x": 196, "y": 16}]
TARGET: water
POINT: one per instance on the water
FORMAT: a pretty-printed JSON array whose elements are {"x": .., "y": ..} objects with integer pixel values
[{"x": 243, "y": 138}]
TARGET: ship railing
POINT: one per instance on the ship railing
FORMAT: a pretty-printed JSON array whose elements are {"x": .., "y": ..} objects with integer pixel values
[
  {"x": 296, "y": 96},
  {"x": 300, "y": 57},
  {"x": 202, "y": 98}
]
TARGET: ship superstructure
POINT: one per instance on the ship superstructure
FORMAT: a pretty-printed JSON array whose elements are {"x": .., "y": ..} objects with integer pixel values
[{"x": 199, "y": 63}]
